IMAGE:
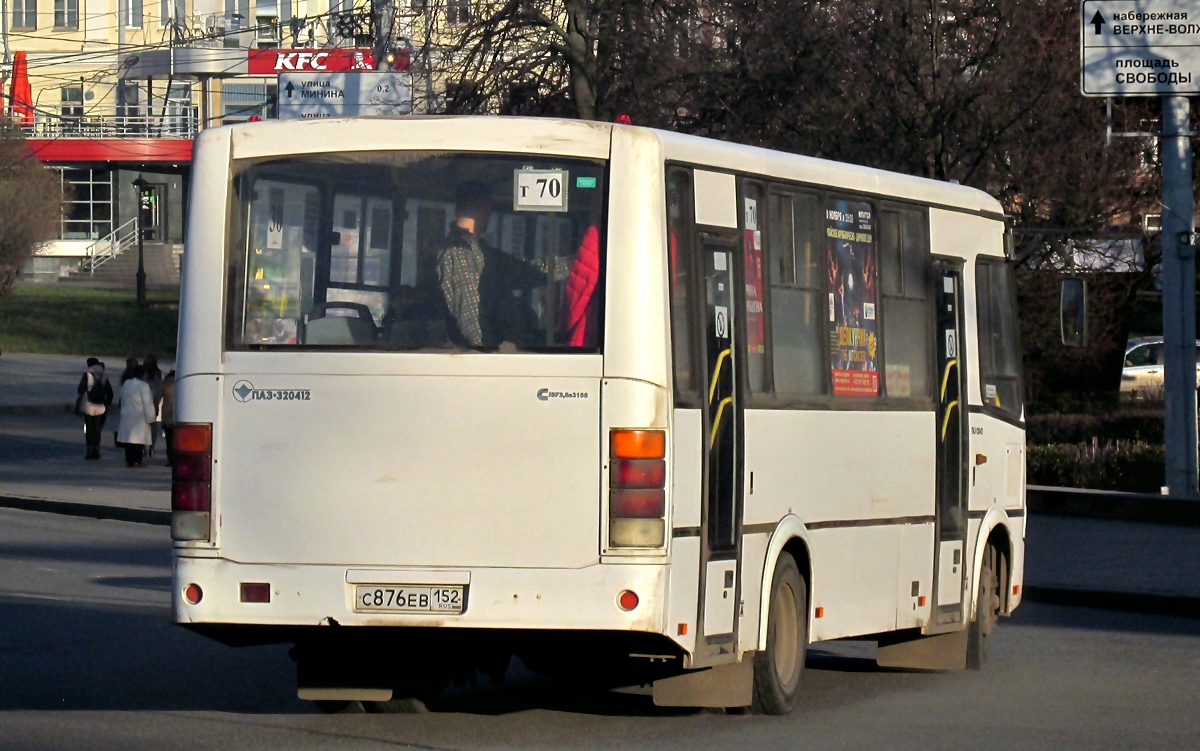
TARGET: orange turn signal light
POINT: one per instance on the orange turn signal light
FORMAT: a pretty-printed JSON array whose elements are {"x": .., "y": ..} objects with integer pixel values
[
  {"x": 820, "y": 613},
  {"x": 638, "y": 444}
]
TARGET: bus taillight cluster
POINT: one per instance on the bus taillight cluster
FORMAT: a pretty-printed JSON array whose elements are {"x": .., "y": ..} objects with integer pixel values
[
  {"x": 637, "y": 504},
  {"x": 191, "y": 481}
]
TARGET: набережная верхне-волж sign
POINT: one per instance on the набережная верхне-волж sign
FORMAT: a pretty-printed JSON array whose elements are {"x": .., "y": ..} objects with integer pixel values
[{"x": 1140, "y": 47}]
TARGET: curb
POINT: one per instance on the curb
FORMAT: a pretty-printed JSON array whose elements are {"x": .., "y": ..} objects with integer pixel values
[
  {"x": 1107, "y": 504},
  {"x": 89, "y": 510},
  {"x": 1126, "y": 602},
  {"x": 36, "y": 409}
]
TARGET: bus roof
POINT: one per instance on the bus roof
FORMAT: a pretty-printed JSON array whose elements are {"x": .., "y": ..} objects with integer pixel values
[{"x": 586, "y": 139}]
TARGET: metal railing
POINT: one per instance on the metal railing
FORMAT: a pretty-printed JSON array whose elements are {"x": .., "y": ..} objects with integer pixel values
[
  {"x": 110, "y": 246},
  {"x": 180, "y": 123}
]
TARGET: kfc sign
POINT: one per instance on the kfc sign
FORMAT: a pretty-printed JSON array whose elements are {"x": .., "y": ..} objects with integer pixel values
[{"x": 283, "y": 61}]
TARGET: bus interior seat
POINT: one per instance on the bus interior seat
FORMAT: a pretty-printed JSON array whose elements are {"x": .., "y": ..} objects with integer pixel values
[{"x": 324, "y": 327}]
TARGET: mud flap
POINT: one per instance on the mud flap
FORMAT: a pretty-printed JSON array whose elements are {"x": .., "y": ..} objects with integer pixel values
[
  {"x": 730, "y": 685},
  {"x": 940, "y": 652}
]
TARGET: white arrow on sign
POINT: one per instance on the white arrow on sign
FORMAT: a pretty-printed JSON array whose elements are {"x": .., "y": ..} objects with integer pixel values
[{"x": 309, "y": 95}]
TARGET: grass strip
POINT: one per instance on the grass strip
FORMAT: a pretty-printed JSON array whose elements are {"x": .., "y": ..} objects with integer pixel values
[{"x": 61, "y": 319}]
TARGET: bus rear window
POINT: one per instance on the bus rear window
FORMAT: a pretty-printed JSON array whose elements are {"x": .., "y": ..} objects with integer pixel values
[{"x": 412, "y": 251}]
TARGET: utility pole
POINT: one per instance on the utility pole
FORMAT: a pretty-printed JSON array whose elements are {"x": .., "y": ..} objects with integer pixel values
[
  {"x": 425, "y": 55},
  {"x": 4, "y": 30},
  {"x": 384, "y": 14},
  {"x": 1179, "y": 296}
]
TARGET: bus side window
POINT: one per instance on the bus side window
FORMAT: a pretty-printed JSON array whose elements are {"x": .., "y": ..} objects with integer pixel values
[
  {"x": 680, "y": 255},
  {"x": 798, "y": 335},
  {"x": 999, "y": 344},
  {"x": 755, "y": 315},
  {"x": 904, "y": 273}
]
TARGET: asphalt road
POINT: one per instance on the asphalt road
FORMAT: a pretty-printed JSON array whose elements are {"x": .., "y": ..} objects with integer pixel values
[{"x": 89, "y": 660}]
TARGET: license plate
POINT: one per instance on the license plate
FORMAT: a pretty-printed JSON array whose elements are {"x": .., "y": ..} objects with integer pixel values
[{"x": 408, "y": 599}]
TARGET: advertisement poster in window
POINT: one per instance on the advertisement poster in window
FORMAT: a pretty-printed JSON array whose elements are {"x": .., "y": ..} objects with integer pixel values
[
  {"x": 752, "y": 242},
  {"x": 854, "y": 344}
]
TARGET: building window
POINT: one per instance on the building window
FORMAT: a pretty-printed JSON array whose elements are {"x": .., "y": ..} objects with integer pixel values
[
  {"x": 458, "y": 12},
  {"x": 266, "y": 31},
  {"x": 87, "y": 211},
  {"x": 129, "y": 104},
  {"x": 72, "y": 102},
  {"x": 133, "y": 18},
  {"x": 66, "y": 14},
  {"x": 241, "y": 101},
  {"x": 24, "y": 15}
]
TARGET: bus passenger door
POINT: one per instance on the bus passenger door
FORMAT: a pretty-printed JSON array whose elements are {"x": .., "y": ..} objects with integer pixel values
[
  {"x": 721, "y": 509},
  {"x": 950, "y": 550}
]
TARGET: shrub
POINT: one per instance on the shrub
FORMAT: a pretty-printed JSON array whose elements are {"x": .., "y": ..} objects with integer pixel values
[
  {"x": 1132, "y": 466},
  {"x": 1128, "y": 424}
]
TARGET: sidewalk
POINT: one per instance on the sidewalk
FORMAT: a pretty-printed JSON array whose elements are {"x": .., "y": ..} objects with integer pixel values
[
  {"x": 41, "y": 445},
  {"x": 47, "y": 383}
]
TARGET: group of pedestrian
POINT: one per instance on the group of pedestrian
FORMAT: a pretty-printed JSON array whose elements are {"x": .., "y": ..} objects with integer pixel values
[{"x": 147, "y": 408}]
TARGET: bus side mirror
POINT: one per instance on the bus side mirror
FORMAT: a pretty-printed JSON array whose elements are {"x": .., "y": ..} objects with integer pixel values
[{"x": 1072, "y": 311}]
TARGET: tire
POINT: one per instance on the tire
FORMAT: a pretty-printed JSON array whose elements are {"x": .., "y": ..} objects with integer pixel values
[
  {"x": 779, "y": 667},
  {"x": 339, "y": 707},
  {"x": 987, "y": 609},
  {"x": 396, "y": 705}
]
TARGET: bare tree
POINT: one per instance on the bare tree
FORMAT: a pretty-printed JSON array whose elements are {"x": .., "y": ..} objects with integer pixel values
[
  {"x": 30, "y": 205},
  {"x": 579, "y": 58}
]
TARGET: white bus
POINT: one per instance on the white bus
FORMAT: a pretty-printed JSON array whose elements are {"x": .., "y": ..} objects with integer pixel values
[{"x": 631, "y": 405}]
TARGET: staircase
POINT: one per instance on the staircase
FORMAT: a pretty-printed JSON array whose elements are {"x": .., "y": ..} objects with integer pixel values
[{"x": 113, "y": 262}]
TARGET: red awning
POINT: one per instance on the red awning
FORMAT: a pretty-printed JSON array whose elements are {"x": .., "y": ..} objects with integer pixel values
[
  {"x": 21, "y": 94},
  {"x": 112, "y": 150}
]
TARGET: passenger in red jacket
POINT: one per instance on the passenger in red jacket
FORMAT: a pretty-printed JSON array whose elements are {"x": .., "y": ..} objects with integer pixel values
[{"x": 581, "y": 306}]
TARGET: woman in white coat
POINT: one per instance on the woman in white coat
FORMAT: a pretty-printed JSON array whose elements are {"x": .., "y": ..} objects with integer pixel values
[{"x": 137, "y": 412}]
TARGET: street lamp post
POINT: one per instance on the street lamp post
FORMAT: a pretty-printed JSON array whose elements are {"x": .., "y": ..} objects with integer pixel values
[{"x": 141, "y": 185}]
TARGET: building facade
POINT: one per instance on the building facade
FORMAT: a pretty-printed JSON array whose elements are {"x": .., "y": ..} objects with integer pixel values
[{"x": 119, "y": 88}]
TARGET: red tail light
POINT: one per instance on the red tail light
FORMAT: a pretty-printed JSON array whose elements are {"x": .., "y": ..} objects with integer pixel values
[
  {"x": 191, "y": 481},
  {"x": 196, "y": 467},
  {"x": 637, "y": 504},
  {"x": 638, "y": 473},
  {"x": 637, "y": 500},
  {"x": 190, "y": 496}
]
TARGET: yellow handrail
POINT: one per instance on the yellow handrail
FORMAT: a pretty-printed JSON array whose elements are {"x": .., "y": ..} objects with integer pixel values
[
  {"x": 712, "y": 389},
  {"x": 945, "y": 377},
  {"x": 717, "y": 420}
]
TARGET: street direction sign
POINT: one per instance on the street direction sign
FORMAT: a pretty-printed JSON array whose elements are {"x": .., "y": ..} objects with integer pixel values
[
  {"x": 1139, "y": 47},
  {"x": 311, "y": 95}
]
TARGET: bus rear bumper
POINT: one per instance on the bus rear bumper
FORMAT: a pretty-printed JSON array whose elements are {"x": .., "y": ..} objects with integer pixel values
[{"x": 495, "y": 598}]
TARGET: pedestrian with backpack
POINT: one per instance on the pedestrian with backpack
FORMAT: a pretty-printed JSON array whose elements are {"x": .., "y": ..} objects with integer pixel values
[{"x": 95, "y": 396}]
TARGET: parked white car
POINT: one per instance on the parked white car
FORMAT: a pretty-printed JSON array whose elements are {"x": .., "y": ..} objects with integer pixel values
[{"x": 1142, "y": 376}]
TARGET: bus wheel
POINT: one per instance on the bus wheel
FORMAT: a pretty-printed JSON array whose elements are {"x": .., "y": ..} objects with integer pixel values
[
  {"x": 339, "y": 707},
  {"x": 397, "y": 705},
  {"x": 777, "y": 669},
  {"x": 987, "y": 609}
]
